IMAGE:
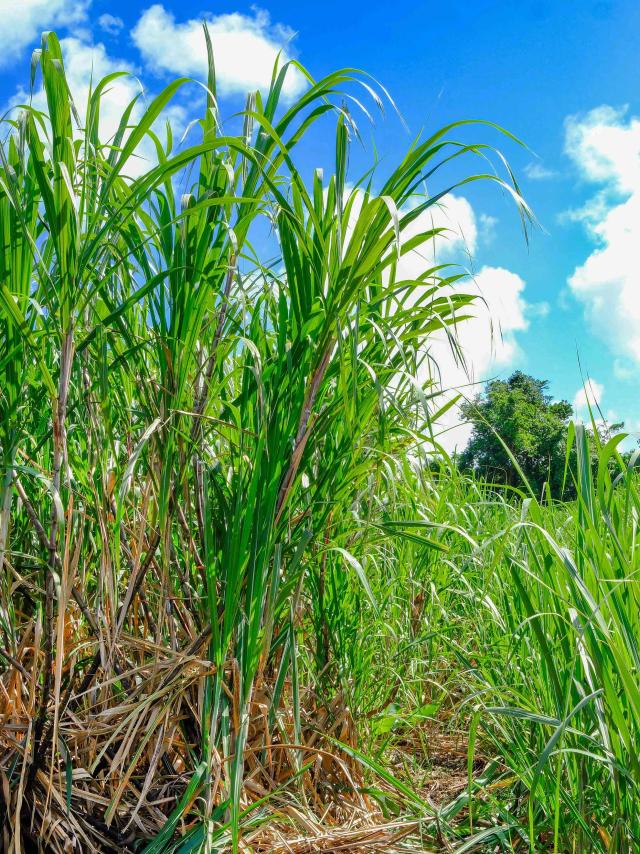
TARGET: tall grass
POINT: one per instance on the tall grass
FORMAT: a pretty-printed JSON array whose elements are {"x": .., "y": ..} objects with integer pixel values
[
  {"x": 187, "y": 432},
  {"x": 507, "y": 633},
  {"x": 239, "y": 607},
  {"x": 565, "y": 708}
]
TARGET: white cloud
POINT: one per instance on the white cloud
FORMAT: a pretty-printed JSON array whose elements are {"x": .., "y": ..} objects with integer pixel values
[
  {"x": 539, "y": 309},
  {"x": 85, "y": 65},
  {"x": 625, "y": 370},
  {"x": 245, "y": 47},
  {"x": 22, "y": 22},
  {"x": 590, "y": 394},
  {"x": 487, "y": 228},
  {"x": 590, "y": 397},
  {"x": 457, "y": 242},
  {"x": 456, "y": 215},
  {"x": 111, "y": 24},
  {"x": 605, "y": 145},
  {"x": 536, "y": 171},
  {"x": 488, "y": 339}
]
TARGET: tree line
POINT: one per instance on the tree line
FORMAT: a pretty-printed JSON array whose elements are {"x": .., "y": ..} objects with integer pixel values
[{"x": 517, "y": 420}]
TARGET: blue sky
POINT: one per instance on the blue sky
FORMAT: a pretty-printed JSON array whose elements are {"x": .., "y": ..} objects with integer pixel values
[{"x": 562, "y": 76}]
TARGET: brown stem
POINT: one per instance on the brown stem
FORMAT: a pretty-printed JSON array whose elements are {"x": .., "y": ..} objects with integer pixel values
[
  {"x": 323, "y": 639},
  {"x": 136, "y": 581},
  {"x": 5, "y": 511},
  {"x": 304, "y": 430},
  {"x": 44, "y": 542},
  {"x": 201, "y": 402},
  {"x": 59, "y": 456}
]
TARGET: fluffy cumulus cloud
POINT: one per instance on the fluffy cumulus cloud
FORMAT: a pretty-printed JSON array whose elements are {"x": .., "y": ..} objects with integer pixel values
[
  {"x": 590, "y": 395},
  {"x": 500, "y": 312},
  {"x": 588, "y": 404},
  {"x": 605, "y": 146},
  {"x": 22, "y": 21},
  {"x": 537, "y": 171},
  {"x": 457, "y": 241},
  {"x": 85, "y": 64},
  {"x": 246, "y": 48},
  {"x": 111, "y": 24},
  {"x": 487, "y": 340}
]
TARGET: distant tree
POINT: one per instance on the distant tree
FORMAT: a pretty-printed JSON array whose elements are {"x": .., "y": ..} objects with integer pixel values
[{"x": 531, "y": 425}]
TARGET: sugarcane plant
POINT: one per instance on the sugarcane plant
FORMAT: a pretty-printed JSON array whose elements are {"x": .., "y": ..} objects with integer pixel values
[{"x": 204, "y": 362}]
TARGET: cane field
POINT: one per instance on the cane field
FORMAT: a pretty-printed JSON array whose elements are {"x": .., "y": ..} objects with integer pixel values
[{"x": 247, "y": 601}]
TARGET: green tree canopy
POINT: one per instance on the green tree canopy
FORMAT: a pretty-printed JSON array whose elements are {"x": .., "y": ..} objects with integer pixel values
[{"x": 531, "y": 425}]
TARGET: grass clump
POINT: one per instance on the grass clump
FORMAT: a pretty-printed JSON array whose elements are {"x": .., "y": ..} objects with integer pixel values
[{"x": 236, "y": 612}]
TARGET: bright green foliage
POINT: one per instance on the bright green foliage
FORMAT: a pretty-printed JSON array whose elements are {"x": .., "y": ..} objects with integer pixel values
[
  {"x": 217, "y": 546},
  {"x": 216, "y": 541},
  {"x": 516, "y": 418},
  {"x": 187, "y": 429},
  {"x": 564, "y": 701},
  {"x": 508, "y": 627}
]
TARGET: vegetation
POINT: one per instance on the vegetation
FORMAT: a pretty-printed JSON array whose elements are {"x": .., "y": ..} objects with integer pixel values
[
  {"x": 518, "y": 418},
  {"x": 236, "y": 613}
]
